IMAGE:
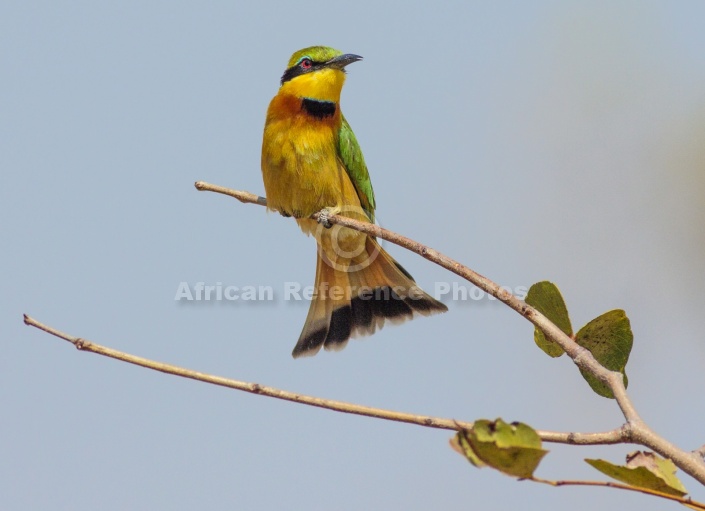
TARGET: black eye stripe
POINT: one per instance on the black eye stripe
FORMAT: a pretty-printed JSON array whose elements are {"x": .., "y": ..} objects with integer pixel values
[{"x": 297, "y": 70}]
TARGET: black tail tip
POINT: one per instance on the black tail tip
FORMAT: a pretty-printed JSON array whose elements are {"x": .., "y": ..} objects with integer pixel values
[{"x": 364, "y": 315}]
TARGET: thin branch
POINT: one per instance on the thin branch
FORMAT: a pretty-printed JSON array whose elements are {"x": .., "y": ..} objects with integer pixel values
[
  {"x": 609, "y": 437},
  {"x": 608, "y": 484},
  {"x": 635, "y": 429},
  {"x": 244, "y": 197},
  {"x": 615, "y": 436}
]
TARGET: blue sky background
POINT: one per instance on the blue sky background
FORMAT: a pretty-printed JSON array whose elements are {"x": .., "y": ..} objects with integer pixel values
[{"x": 529, "y": 140}]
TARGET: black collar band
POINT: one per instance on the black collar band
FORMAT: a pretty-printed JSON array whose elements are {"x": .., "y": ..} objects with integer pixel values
[{"x": 317, "y": 108}]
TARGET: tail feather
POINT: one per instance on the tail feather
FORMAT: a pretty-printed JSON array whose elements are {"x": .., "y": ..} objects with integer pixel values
[
  {"x": 351, "y": 303},
  {"x": 317, "y": 322},
  {"x": 364, "y": 316},
  {"x": 340, "y": 329}
]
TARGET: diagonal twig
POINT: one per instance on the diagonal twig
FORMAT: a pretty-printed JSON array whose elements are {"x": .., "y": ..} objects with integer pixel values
[{"x": 634, "y": 429}]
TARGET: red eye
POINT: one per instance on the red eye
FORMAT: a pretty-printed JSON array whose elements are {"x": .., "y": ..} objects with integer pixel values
[{"x": 306, "y": 64}]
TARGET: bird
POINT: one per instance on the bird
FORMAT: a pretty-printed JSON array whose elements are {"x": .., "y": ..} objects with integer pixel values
[{"x": 312, "y": 162}]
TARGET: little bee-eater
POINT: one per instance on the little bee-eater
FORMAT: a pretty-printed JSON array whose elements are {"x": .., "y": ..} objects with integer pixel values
[{"x": 311, "y": 161}]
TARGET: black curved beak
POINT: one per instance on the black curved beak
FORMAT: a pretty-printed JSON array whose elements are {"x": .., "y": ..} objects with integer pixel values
[{"x": 343, "y": 60}]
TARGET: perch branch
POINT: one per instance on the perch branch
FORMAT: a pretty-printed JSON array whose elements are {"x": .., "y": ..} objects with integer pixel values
[{"x": 635, "y": 429}]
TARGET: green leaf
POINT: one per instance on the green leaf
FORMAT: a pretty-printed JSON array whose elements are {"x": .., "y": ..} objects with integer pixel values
[
  {"x": 546, "y": 298},
  {"x": 644, "y": 470},
  {"x": 460, "y": 444},
  {"x": 513, "y": 449},
  {"x": 609, "y": 338}
]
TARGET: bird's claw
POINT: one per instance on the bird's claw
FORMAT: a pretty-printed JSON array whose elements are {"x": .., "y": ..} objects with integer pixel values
[{"x": 323, "y": 218}]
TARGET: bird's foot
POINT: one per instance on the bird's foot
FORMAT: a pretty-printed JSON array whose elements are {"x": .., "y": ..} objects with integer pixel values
[{"x": 325, "y": 214}]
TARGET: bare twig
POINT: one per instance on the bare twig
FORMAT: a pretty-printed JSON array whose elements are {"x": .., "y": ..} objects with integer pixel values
[
  {"x": 244, "y": 197},
  {"x": 608, "y": 484},
  {"x": 608, "y": 437},
  {"x": 634, "y": 429}
]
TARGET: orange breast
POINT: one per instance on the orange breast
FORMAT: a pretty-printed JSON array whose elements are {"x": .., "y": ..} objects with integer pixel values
[{"x": 300, "y": 165}]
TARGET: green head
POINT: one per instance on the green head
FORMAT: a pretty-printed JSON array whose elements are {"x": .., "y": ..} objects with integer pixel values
[{"x": 320, "y": 60}]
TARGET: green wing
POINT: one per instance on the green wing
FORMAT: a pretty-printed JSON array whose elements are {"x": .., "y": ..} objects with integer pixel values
[{"x": 351, "y": 156}]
